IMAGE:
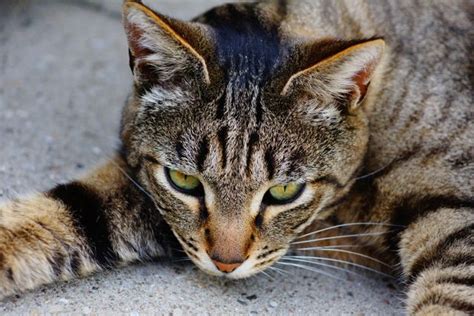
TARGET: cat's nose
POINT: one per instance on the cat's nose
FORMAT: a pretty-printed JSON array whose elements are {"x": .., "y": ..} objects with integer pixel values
[{"x": 226, "y": 267}]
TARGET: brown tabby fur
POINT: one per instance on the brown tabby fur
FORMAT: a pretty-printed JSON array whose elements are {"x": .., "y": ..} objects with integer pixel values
[{"x": 246, "y": 105}]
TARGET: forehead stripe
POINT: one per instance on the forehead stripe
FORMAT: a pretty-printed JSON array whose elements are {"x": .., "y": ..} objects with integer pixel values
[
  {"x": 202, "y": 153},
  {"x": 179, "y": 146},
  {"x": 270, "y": 163},
  {"x": 253, "y": 139},
  {"x": 259, "y": 109},
  {"x": 221, "y": 105},
  {"x": 222, "y": 138}
]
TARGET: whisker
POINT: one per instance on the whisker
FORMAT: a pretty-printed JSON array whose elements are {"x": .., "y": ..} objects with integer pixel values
[
  {"x": 338, "y": 261},
  {"x": 279, "y": 271},
  {"x": 347, "y": 251},
  {"x": 373, "y": 172},
  {"x": 273, "y": 273},
  {"x": 330, "y": 247},
  {"x": 346, "y": 225},
  {"x": 326, "y": 265},
  {"x": 267, "y": 275},
  {"x": 177, "y": 249},
  {"x": 181, "y": 260},
  {"x": 130, "y": 178},
  {"x": 259, "y": 277},
  {"x": 308, "y": 268},
  {"x": 340, "y": 236}
]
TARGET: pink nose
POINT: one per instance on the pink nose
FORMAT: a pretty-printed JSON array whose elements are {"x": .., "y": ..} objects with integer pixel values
[{"x": 226, "y": 267}]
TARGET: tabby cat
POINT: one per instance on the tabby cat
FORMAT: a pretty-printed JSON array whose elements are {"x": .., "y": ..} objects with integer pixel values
[{"x": 256, "y": 122}]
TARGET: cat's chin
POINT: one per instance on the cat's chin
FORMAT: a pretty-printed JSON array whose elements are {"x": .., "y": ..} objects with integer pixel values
[
  {"x": 236, "y": 275},
  {"x": 246, "y": 270}
]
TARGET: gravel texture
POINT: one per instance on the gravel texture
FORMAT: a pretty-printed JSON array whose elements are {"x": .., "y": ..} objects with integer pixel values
[{"x": 63, "y": 79}]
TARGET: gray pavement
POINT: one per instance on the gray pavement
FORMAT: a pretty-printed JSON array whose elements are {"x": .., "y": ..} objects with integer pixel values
[{"x": 63, "y": 80}]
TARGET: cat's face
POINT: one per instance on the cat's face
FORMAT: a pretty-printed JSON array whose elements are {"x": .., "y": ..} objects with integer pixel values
[{"x": 240, "y": 159}]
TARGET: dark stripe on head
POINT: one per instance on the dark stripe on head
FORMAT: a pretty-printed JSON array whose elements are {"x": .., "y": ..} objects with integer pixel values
[
  {"x": 244, "y": 40},
  {"x": 270, "y": 163},
  {"x": 439, "y": 259},
  {"x": 87, "y": 212},
  {"x": 179, "y": 146},
  {"x": 253, "y": 139},
  {"x": 202, "y": 153},
  {"x": 222, "y": 138},
  {"x": 259, "y": 109},
  {"x": 221, "y": 106},
  {"x": 413, "y": 208}
]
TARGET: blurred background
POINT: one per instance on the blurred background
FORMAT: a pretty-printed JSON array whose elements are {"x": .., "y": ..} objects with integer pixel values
[{"x": 64, "y": 78}]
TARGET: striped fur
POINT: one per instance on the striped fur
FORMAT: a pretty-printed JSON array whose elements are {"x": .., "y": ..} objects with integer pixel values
[
  {"x": 251, "y": 95},
  {"x": 75, "y": 229}
]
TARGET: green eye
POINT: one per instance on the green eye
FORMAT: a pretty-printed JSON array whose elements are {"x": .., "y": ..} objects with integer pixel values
[
  {"x": 284, "y": 193},
  {"x": 183, "y": 182}
]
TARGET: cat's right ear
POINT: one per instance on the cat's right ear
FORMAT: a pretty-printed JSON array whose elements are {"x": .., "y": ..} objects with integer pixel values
[
  {"x": 159, "y": 51},
  {"x": 344, "y": 74}
]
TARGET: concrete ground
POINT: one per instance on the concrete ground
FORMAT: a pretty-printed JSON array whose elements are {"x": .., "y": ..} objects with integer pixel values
[{"x": 63, "y": 80}]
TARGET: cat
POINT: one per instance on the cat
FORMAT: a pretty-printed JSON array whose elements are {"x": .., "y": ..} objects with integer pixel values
[{"x": 255, "y": 123}]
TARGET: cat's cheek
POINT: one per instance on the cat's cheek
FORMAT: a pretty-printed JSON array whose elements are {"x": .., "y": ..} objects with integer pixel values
[
  {"x": 204, "y": 263},
  {"x": 321, "y": 199}
]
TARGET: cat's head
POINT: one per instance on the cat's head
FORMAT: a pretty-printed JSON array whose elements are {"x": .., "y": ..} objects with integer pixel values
[{"x": 241, "y": 134}]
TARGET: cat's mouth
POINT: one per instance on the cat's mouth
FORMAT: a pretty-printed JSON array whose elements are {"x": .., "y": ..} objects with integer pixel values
[
  {"x": 253, "y": 265},
  {"x": 245, "y": 270}
]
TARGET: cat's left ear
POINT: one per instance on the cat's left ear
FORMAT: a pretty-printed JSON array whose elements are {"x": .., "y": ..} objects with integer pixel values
[
  {"x": 162, "y": 49},
  {"x": 344, "y": 75}
]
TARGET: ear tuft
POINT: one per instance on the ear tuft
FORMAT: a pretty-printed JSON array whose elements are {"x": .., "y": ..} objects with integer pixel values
[
  {"x": 346, "y": 74},
  {"x": 157, "y": 50}
]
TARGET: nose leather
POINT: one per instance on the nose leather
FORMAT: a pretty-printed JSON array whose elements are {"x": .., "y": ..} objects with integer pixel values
[{"x": 226, "y": 267}]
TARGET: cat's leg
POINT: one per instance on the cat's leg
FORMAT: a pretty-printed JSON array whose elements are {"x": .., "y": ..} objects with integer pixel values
[
  {"x": 77, "y": 228},
  {"x": 437, "y": 257},
  {"x": 39, "y": 244}
]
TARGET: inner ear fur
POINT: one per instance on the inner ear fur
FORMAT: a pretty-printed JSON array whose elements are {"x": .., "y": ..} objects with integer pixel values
[
  {"x": 161, "y": 45},
  {"x": 344, "y": 73}
]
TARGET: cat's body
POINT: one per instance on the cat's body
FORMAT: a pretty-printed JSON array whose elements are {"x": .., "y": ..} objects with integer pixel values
[{"x": 401, "y": 153}]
